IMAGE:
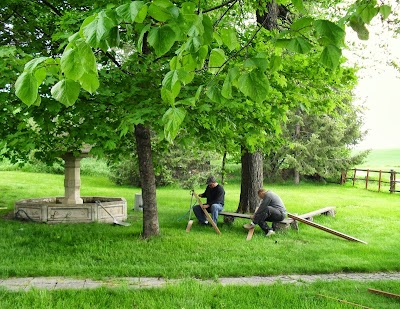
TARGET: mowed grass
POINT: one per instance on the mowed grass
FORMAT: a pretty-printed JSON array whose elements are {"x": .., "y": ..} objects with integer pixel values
[
  {"x": 103, "y": 250},
  {"x": 192, "y": 294}
]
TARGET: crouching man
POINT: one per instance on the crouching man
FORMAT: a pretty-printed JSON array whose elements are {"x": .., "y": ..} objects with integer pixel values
[{"x": 272, "y": 209}]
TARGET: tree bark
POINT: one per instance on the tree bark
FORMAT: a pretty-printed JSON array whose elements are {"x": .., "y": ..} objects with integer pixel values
[
  {"x": 296, "y": 170},
  {"x": 148, "y": 181},
  {"x": 223, "y": 169},
  {"x": 251, "y": 181}
]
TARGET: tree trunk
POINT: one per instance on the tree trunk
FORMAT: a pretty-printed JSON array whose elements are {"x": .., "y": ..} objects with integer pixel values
[
  {"x": 296, "y": 170},
  {"x": 269, "y": 19},
  {"x": 223, "y": 170},
  {"x": 148, "y": 181},
  {"x": 252, "y": 181}
]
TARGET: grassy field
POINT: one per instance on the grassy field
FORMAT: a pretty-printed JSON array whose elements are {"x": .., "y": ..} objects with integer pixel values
[
  {"x": 382, "y": 159},
  {"x": 103, "y": 250}
]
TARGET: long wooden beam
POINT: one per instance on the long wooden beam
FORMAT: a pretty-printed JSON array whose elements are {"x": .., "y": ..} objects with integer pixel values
[
  {"x": 384, "y": 293},
  {"x": 210, "y": 220},
  {"x": 324, "y": 228}
]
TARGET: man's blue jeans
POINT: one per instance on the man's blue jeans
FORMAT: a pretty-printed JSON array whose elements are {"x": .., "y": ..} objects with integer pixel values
[{"x": 214, "y": 210}]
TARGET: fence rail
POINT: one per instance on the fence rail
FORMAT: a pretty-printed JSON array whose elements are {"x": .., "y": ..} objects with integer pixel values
[{"x": 365, "y": 176}]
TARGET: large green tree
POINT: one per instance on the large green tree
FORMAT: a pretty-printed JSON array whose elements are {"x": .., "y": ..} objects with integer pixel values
[{"x": 174, "y": 41}]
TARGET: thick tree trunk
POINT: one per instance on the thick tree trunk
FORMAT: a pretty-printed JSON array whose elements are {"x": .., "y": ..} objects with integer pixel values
[
  {"x": 148, "y": 181},
  {"x": 252, "y": 181}
]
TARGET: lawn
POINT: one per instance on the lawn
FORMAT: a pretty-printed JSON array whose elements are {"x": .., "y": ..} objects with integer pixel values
[{"x": 104, "y": 250}]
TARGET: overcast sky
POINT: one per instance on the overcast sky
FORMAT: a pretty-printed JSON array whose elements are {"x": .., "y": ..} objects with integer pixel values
[{"x": 379, "y": 86}]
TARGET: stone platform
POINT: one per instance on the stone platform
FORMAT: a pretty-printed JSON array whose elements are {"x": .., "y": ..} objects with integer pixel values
[{"x": 53, "y": 210}]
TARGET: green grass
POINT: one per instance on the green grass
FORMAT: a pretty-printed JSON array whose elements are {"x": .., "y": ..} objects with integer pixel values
[
  {"x": 191, "y": 294},
  {"x": 100, "y": 250},
  {"x": 103, "y": 250}
]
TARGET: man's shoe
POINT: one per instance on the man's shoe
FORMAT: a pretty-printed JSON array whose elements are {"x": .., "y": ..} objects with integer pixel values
[
  {"x": 270, "y": 233},
  {"x": 248, "y": 226}
]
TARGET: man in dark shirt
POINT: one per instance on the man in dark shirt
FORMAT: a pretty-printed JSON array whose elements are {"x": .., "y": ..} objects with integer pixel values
[{"x": 215, "y": 195}]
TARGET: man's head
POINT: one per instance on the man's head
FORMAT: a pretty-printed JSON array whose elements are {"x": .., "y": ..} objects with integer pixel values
[
  {"x": 211, "y": 182},
  {"x": 261, "y": 193}
]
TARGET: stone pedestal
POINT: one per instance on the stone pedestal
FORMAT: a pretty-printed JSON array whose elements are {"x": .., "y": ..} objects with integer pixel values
[
  {"x": 72, "y": 179},
  {"x": 138, "y": 202}
]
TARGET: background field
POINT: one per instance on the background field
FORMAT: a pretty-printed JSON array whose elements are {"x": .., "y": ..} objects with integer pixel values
[{"x": 384, "y": 159}]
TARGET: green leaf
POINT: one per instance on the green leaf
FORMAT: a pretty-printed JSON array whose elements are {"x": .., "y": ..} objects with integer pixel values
[
  {"x": 161, "y": 39},
  {"x": 299, "y": 5},
  {"x": 40, "y": 75},
  {"x": 188, "y": 7},
  {"x": 172, "y": 120},
  {"x": 298, "y": 45},
  {"x": 31, "y": 65},
  {"x": 217, "y": 59},
  {"x": 275, "y": 63},
  {"x": 167, "y": 96},
  {"x": 330, "y": 56},
  {"x": 385, "y": 11},
  {"x": 302, "y": 24},
  {"x": 98, "y": 29},
  {"x": 260, "y": 63},
  {"x": 89, "y": 82},
  {"x": 367, "y": 12},
  {"x": 172, "y": 82},
  {"x": 329, "y": 30},
  {"x": 134, "y": 11},
  {"x": 162, "y": 10},
  {"x": 208, "y": 29},
  {"x": 255, "y": 85},
  {"x": 26, "y": 88},
  {"x": 214, "y": 94},
  {"x": 66, "y": 91},
  {"x": 71, "y": 63},
  {"x": 359, "y": 26},
  {"x": 229, "y": 38},
  {"x": 140, "y": 40},
  {"x": 88, "y": 59}
]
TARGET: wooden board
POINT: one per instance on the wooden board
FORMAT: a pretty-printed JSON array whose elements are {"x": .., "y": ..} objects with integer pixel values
[
  {"x": 210, "y": 220},
  {"x": 384, "y": 293},
  {"x": 324, "y": 228},
  {"x": 189, "y": 226},
  {"x": 250, "y": 234}
]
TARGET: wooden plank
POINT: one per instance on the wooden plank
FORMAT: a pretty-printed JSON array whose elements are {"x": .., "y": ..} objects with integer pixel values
[
  {"x": 250, "y": 234},
  {"x": 236, "y": 214},
  {"x": 324, "y": 228},
  {"x": 320, "y": 211},
  {"x": 189, "y": 226},
  {"x": 210, "y": 220},
  {"x": 384, "y": 293}
]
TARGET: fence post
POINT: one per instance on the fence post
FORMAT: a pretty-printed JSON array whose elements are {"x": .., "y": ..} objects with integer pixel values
[
  {"x": 379, "y": 181},
  {"x": 354, "y": 177},
  {"x": 392, "y": 181},
  {"x": 366, "y": 180}
]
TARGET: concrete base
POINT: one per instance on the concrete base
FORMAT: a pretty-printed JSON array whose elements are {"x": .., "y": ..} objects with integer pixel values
[{"x": 52, "y": 210}]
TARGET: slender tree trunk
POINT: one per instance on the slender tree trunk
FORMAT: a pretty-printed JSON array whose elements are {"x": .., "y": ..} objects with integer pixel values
[
  {"x": 148, "y": 181},
  {"x": 223, "y": 171},
  {"x": 252, "y": 181},
  {"x": 296, "y": 171}
]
